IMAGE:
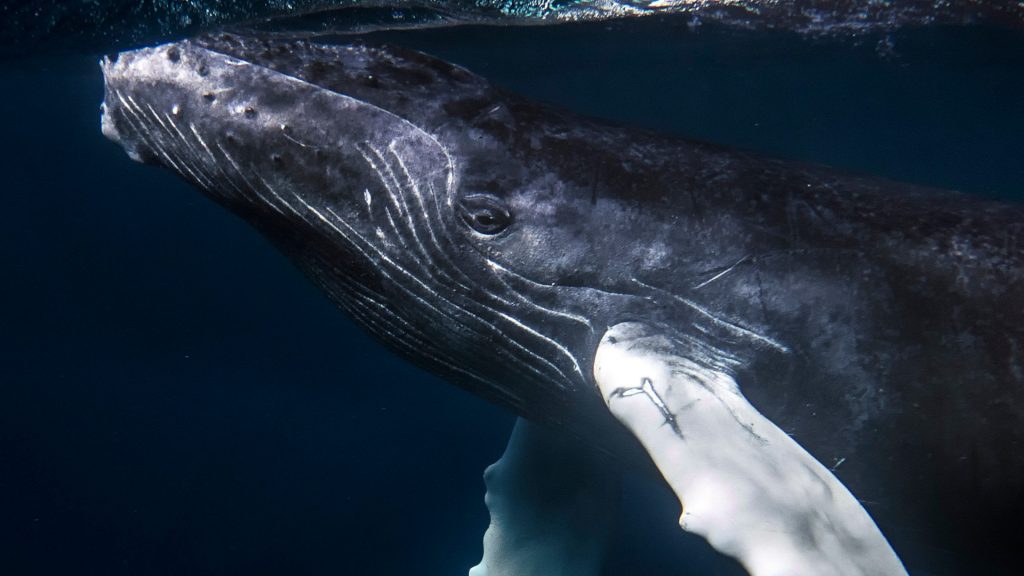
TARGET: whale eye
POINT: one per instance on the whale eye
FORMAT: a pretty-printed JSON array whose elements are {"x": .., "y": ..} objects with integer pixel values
[{"x": 485, "y": 213}]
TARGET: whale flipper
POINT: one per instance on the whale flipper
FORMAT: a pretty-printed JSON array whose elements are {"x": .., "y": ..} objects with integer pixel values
[
  {"x": 553, "y": 505},
  {"x": 744, "y": 484}
]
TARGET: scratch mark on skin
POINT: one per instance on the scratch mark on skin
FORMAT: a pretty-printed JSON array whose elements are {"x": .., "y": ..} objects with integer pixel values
[
  {"x": 574, "y": 317},
  {"x": 241, "y": 174},
  {"x": 404, "y": 214},
  {"x": 722, "y": 273},
  {"x": 720, "y": 322},
  {"x": 196, "y": 164},
  {"x": 217, "y": 165},
  {"x": 367, "y": 248},
  {"x": 273, "y": 192},
  {"x": 647, "y": 388},
  {"x": 295, "y": 140}
]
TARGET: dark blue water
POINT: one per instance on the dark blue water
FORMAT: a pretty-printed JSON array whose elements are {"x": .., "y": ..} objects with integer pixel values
[{"x": 176, "y": 399}]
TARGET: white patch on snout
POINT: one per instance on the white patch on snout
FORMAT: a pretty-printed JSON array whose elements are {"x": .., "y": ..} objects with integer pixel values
[{"x": 107, "y": 124}]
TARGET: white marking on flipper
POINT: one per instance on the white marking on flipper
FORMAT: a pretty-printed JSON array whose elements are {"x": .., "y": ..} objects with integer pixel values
[{"x": 756, "y": 496}]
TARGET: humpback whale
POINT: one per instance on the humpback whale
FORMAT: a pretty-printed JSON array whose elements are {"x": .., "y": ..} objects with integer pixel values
[{"x": 816, "y": 363}]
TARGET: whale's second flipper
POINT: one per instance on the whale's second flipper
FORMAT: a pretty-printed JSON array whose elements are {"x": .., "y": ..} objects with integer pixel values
[
  {"x": 553, "y": 503},
  {"x": 744, "y": 484}
]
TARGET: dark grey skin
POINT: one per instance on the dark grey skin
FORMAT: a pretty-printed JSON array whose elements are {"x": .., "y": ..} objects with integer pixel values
[{"x": 493, "y": 239}]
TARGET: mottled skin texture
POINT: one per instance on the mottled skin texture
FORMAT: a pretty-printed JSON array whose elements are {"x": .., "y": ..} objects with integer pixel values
[{"x": 880, "y": 324}]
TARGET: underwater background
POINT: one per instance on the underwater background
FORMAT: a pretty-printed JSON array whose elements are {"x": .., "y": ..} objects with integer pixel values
[{"x": 175, "y": 398}]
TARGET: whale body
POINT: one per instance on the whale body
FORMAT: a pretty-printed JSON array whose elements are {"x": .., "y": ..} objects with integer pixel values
[{"x": 510, "y": 246}]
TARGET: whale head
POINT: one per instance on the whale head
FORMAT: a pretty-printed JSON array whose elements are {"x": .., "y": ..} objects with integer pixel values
[{"x": 429, "y": 204}]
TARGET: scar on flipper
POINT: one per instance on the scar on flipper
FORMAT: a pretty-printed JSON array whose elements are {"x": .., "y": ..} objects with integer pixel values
[{"x": 647, "y": 388}]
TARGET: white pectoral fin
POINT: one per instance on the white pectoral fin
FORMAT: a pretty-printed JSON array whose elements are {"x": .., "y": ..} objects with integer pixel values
[
  {"x": 553, "y": 505},
  {"x": 744, "y": 484}
]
